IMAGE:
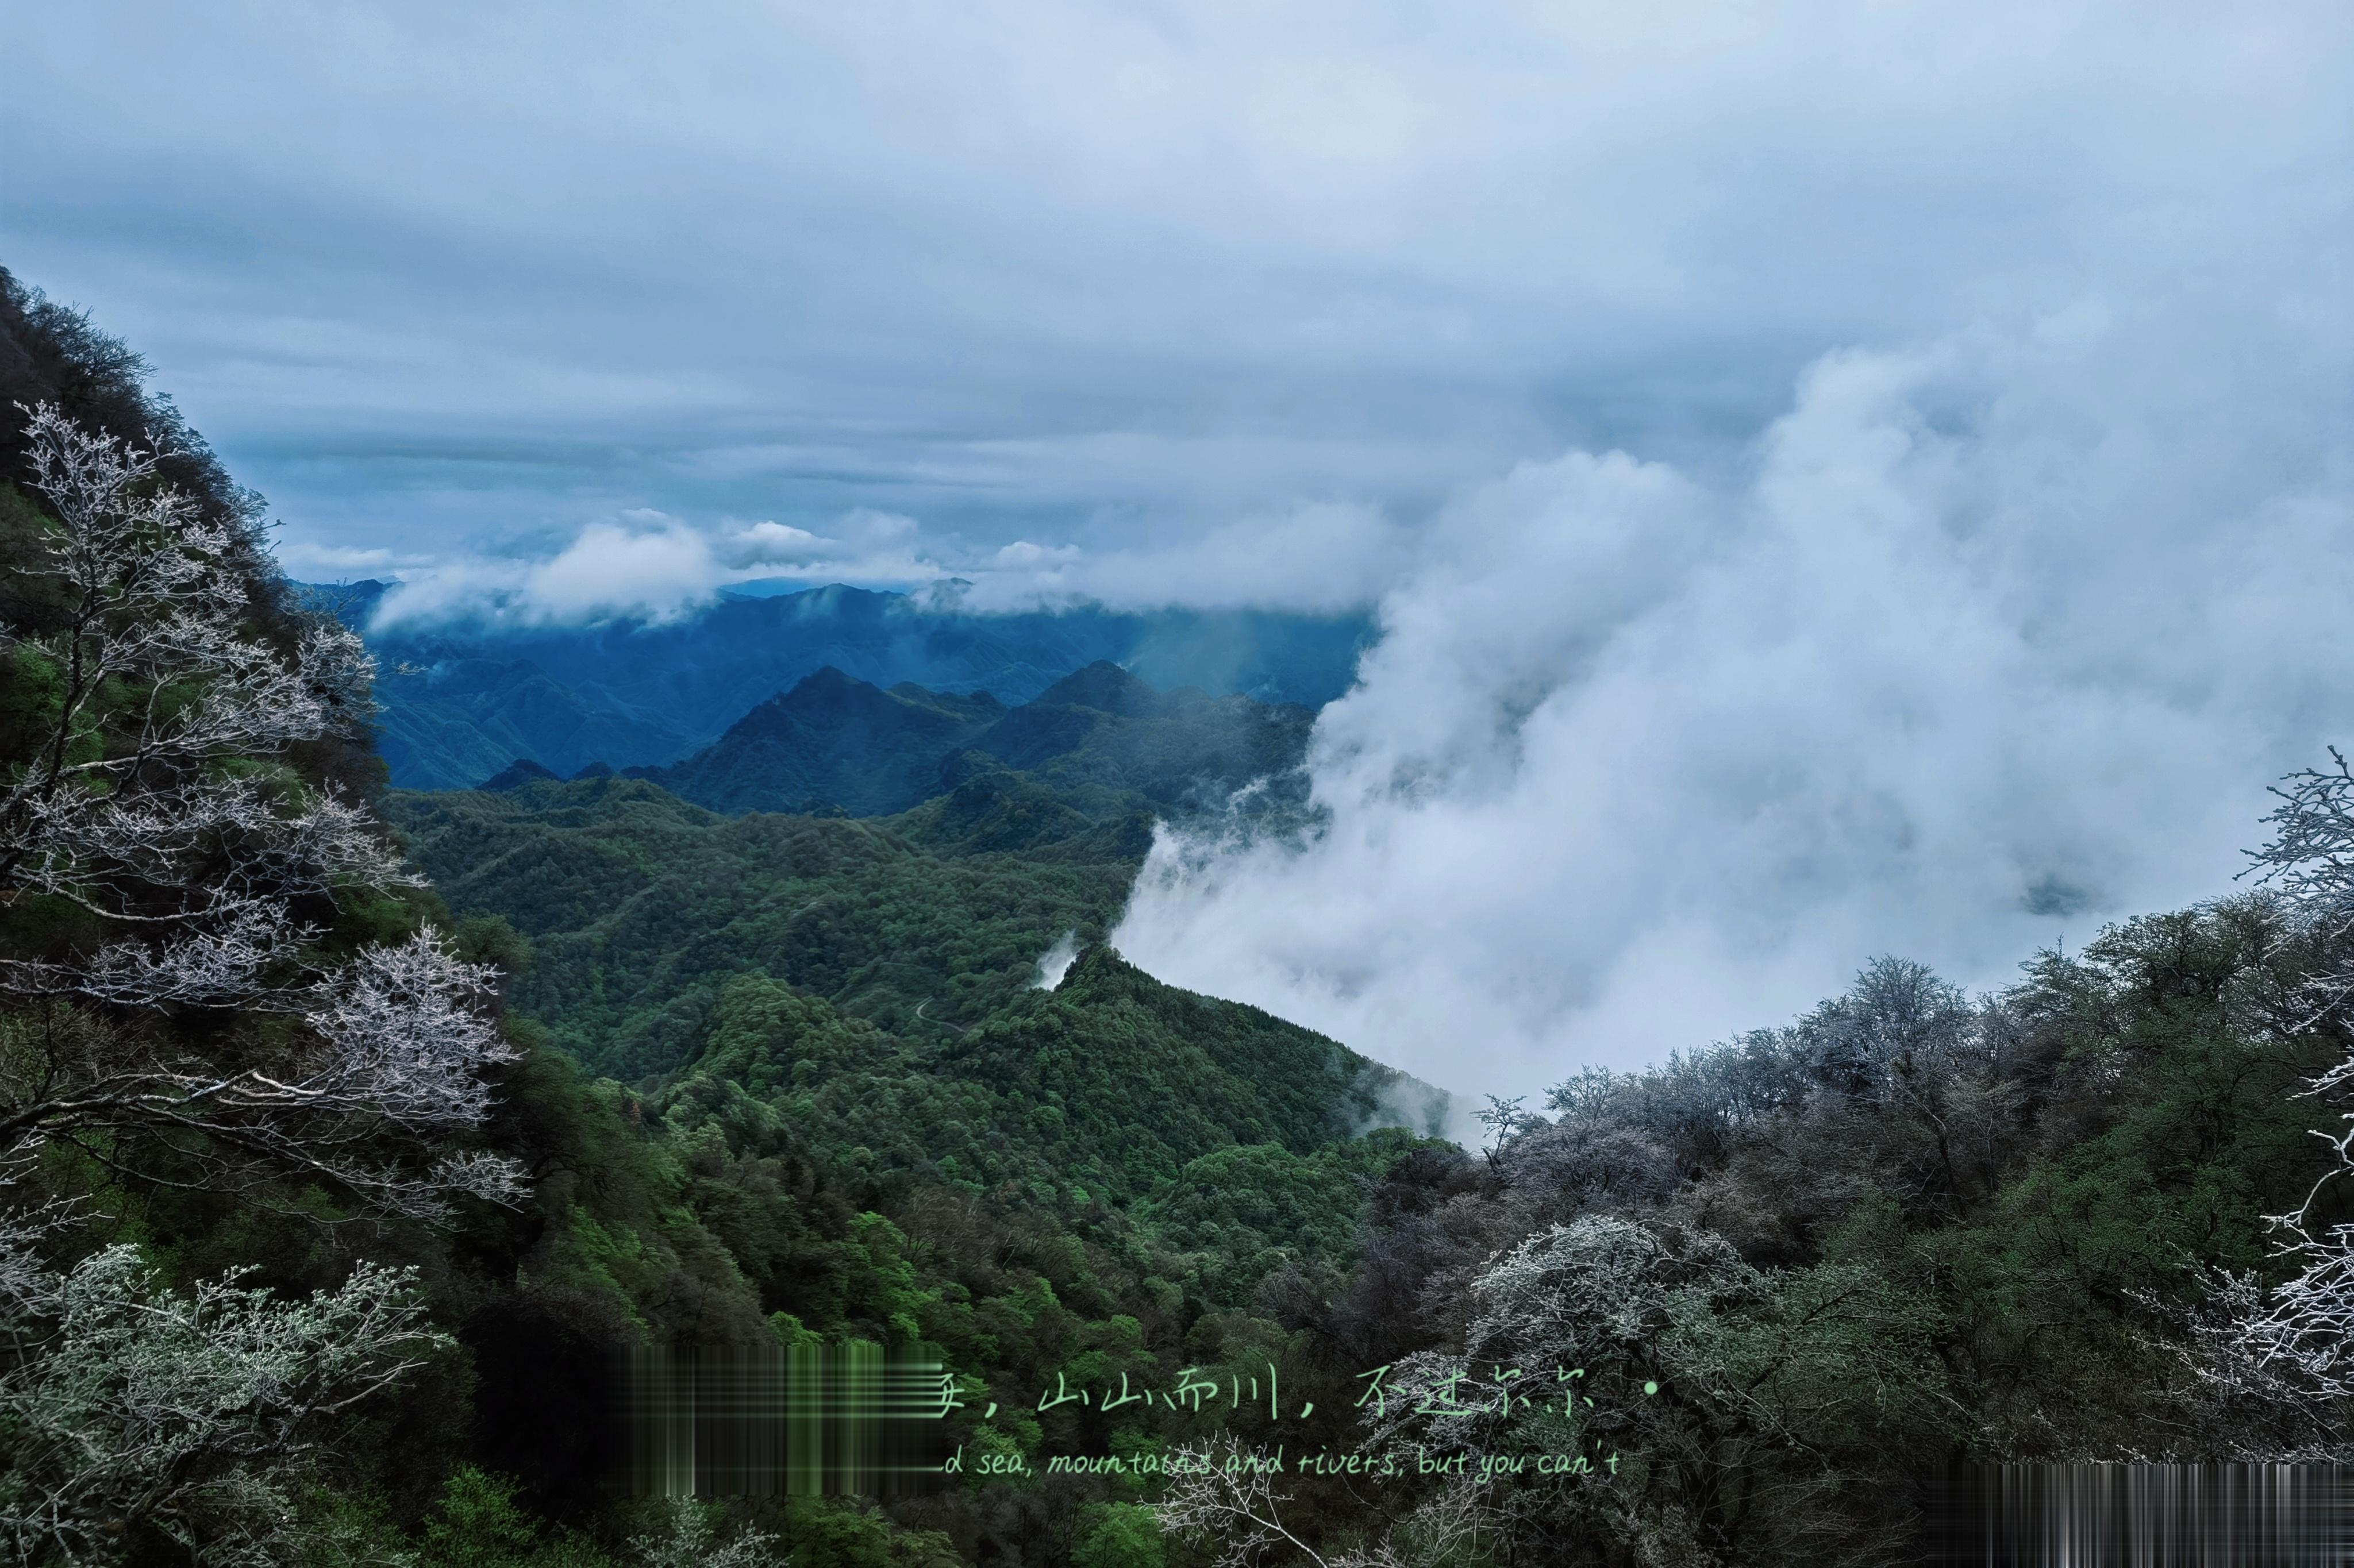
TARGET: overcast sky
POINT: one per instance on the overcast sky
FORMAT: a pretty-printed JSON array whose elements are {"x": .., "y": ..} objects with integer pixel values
[
  {"x": 1976, "y": 548},
  {"x": 452, "y": 279}
]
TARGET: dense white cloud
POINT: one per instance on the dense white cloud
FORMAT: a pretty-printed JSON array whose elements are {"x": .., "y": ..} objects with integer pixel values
[
  {"x": 644, "y": 565},
  {"x": 1996, "y": 639},
  {"x": 658, "y": 572}
]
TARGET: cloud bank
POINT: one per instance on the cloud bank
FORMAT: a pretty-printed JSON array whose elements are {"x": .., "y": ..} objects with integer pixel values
[
  {"x": 649, "y": 565},
  {"x": 1320, "y": 559},
  {"x": 1992, "y": 639}
]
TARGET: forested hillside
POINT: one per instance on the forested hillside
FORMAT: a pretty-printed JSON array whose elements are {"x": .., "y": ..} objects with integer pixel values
[{"x": 654, "y": 926}]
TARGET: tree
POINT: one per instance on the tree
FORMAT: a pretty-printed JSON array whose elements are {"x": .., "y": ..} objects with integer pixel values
[
  {"x": 2302, "y": 1329},
  {"x": 2311, "y": 861},
  {"x": 128, "y": 1409},
  {"x": 1230, "y": 1506},
  {"x": 1695, "y": 1407},
  {"x": 163, "y": 865},
  {"x": 183, "y": 1000},
  {"x": 692, "y": 1541}
]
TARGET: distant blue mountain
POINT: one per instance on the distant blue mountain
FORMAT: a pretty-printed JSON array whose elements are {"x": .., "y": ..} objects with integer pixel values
[
  {"x": 1101, "y": 742},
  {"x": 461, "y": 702}
]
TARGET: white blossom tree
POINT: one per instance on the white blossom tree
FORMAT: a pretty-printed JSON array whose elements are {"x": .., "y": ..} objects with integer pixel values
[
  {"x": 1697, "y": 1394},
  {"x": 2298, "y": 1337},
  {"x": 174, "y": 1007},
  {"x": 155, "y": 679},
  {"x": 1236, "y": 1509},
  {"x": 126, "y": 1407},
  {"x": 692, "y": 1541},
  {"x": 178, "y": 866},
  {"x": 1231, "y": 1504}
]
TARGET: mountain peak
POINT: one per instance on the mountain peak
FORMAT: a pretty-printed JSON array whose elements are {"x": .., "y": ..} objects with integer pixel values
[
  {"x": 1105, "y": 686},
  {"x": 824, "y": 693},
  {"x": 523, "y": 771},
  {"x": 827, "y": 678}
]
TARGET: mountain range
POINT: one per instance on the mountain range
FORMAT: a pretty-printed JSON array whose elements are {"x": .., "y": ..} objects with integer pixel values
[
  {"x": 837, "y": 744},
  {"x": 457, "y": 703}
]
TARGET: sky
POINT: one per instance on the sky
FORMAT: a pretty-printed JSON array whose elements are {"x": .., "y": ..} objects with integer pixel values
[{"x": 1833, "y": 478}]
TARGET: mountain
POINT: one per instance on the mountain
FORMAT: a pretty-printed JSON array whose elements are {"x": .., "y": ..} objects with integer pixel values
[
  {"x": 834, "y": 742},
  {"x": 1101, "y": 742},
  {"x": 523, "y": 771},
  {"x": 1824, "y": 1287},
  {"x": 450, "y": 724},
  {"x": 1104, "y": 727},
  {"x": 890, "y": 986},
  {"x": 457, "y": 703}
]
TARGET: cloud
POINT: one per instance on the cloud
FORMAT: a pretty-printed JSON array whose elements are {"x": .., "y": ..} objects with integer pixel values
[
  {"x": 658, "y": 573},
  {"x": 1023, "y": 556},
  {"x": 1319, "y": 558},
  {"x": 643, "y": 565},
  {"x": 648, "y": 566},
  {"x": 302, "y": 556},
  {"x": 1056, "y": 961},
  {"x": 1989, "y": 639},
  {"x": 763, "y": 542},
  {"x": 1098, "y": 273}
]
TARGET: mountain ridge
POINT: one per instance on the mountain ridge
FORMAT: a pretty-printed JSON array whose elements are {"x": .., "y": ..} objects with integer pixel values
[
  {"x": 459, "y": 700},
  {"x": 1097, "y": 745}
]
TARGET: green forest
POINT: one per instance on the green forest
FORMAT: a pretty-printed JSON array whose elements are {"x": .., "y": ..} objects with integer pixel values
[{"x": 350, "y": 1136}]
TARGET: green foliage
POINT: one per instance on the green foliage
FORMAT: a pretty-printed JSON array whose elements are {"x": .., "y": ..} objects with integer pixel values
[
  {"x": 828, "y": 984},
  {"x": 856, "y": 1117},
  {"x": 1119, "y": 1535},
  {"x": 1242, "y": 1213},
  {"x": 827, "y": 1533},
  {"x": 642, "y": 909},
  {"x": 478, "y": 1524}
]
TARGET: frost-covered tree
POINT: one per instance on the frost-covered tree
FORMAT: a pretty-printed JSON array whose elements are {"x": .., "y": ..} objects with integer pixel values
[
  {"x": 2299, "y": 1336},
  {"x": 1704, "y": 1401},
  {"x": 182, "y": 1000},
  {"x": 162, "y": 864},
  {"x": 1229, "y": 1503},
  {"x": 139, "y": 797},
  {"x": 2311, "y": 861},
  {"x": 129, "y": 1410},
  {"x": 692, "y": 1541}
]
